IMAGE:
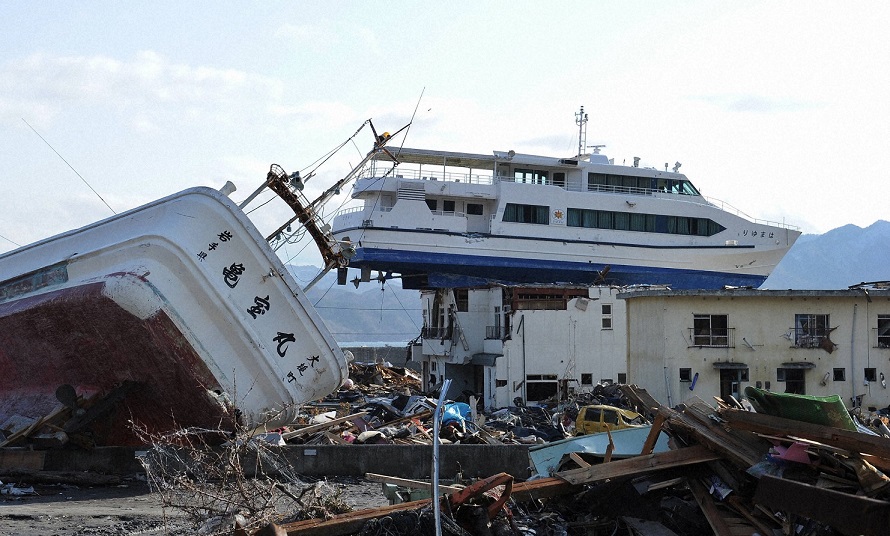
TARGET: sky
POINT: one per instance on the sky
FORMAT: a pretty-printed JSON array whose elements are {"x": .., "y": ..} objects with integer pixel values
[{"x": 780, "y": 109}]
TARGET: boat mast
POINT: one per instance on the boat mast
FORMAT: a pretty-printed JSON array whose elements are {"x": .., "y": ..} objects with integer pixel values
[{"x": 581, "y": 121}]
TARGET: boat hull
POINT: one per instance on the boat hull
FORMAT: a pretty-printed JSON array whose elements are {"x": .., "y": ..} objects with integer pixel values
[
  {"x": 172, "y": 314},
  {"x": 430, "y": 259}
]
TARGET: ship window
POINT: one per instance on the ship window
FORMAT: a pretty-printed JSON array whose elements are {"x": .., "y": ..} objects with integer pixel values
[
  {"x": 533, "y": 176},
  {"x": 432, "y": 204},
  {"x": 474, "y": 208},
  {"x": 559, "y": 179},
  {"x": 515, "y": 212},
  {"x": 693, "y": 226},
  {"x": 447, "y": 206}
]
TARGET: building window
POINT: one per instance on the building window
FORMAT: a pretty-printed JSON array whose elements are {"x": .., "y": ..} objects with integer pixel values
[
  {"x": 447, "y": 205},
  {"x": 685, "y": 374},
  {"x": 607, "y": 315},
  {"x": 883, "y": 331},
  {"x": 540, "y": 387},
  {"x": 462, "y": 299},
  {"x": 840, "y": 375},
  {"x": 586, "y": 379},
  {"x": 622, "y": 377},
  {"x": 474, "y": 209},
  {"x": 712, "y": 331},
  {"x": 793, "y": 378},
  {"x": 517, "y": 213},
  {"x": 810, "y": 330},
  {"x": 871, "y": 375}
]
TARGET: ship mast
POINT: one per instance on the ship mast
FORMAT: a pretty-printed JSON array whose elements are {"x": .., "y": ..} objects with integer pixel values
[{"x": 581, "y": 121}]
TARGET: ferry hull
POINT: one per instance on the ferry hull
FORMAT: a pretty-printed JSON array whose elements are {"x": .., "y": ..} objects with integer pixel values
[{"x": 168, "y": 316}]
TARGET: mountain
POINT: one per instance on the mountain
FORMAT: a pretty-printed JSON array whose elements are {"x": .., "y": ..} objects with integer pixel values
[
  {"x": 835, "y": 260},
  {"x": 373, "y": 312}
]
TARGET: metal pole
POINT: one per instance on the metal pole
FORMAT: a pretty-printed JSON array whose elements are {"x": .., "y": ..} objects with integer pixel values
[{"x": 437, "y": 517}]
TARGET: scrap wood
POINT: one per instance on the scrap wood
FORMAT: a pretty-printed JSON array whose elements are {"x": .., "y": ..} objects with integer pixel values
[
  {"x": 845, "y": 439},
  {"x": 408, "y": 483},
  {"x": 709, "y": 509},
  {"x": 654, "y": 431},
  {"x": 696, "y": 426},
  {"x": 311, "y": 429},
  {"x": 343, "y": 524},
  {"x": 844, "y": 512},
  {"x": 639, "y": 464}
]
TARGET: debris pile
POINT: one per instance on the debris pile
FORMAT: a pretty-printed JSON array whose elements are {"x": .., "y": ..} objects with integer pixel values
[{"x": 729, "y": 470}]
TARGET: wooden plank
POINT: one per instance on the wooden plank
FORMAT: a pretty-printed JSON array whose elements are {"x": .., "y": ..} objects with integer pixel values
[
  {"x": 846, "y": 513},
  {"x": 408, "y": 483},
  {"x": 639, "y": 465},
  {"x": 836, "y": 437},
  {"x": 578, "y": 459},
  {"x": 352, "y": 522},
  {"x": 311, "y": 429},
  {"x": 652, "y": 438},
  {"x": 708, "y": 508}
]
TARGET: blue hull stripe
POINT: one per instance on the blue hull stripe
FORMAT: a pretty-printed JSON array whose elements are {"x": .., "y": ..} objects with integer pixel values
[{"x": 448, "y": 270}]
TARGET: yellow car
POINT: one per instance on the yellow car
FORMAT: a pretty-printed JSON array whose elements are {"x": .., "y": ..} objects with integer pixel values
[{"x": 599, "y": 418}]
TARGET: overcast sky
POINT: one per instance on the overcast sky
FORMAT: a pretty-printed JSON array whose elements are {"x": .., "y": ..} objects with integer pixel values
[{"x": 780, "y": 109}]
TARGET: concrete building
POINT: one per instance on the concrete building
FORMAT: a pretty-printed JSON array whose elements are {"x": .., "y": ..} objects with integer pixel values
[
  {"x": 715, "y": 343},
  {"x": 530, "y": 343}
]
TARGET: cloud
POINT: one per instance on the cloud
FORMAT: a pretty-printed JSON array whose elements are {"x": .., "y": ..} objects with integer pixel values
[{"x": 755, "y": 103}]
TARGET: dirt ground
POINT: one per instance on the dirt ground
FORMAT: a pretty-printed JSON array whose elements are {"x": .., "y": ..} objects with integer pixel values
[{"x": 128, "y": 509}]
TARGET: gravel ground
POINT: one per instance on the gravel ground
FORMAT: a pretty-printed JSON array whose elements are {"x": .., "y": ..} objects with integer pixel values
[{"x": 130, "y": 509}]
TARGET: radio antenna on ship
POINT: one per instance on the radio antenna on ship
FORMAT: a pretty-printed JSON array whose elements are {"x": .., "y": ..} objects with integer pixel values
[{"x": 581, "y": 121}]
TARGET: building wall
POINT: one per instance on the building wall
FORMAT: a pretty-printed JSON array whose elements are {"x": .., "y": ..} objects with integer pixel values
[{"x": 762, "y": 322}]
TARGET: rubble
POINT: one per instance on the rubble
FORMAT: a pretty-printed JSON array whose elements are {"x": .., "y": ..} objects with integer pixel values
[{"x": 726, "y": 468}]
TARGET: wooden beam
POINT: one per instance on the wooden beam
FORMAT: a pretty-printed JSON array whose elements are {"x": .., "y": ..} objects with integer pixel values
[
  {"x": 638, "y": 465},
  {"x": 352, "y": 522},
  {"x": 652, "y": 438},
  {"x": 408, "y": 483},
  {"x": 844, "y": 512},
  {"x": 311, "y": 429},
  {"x": 836, "y": 437},
  {"x": 708, "y": 508}
]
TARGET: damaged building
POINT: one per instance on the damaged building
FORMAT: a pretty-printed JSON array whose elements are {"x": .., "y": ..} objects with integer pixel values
[{"x": 534, "y": 343}]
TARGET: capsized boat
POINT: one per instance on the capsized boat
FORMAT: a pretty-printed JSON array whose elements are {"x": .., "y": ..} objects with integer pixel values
[
  {"x": 626, "y": 443},
  {"x": 164, "y": 315},
  {"x": 449, "y": 219}
]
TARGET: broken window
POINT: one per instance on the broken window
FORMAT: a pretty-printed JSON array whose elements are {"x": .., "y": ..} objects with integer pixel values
[
  {"x": 883, "y": 331},
  {"x": 711, "y": 330},
  {"x": 871, "y": 375},
  {"x": 810, "y": 330},
  {"x": 793, "y": 379}
]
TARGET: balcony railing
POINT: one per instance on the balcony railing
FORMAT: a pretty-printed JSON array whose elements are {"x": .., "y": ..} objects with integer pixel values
[
  {"x": 713, "y": 338},
  {"x": 880, "y": 338},
  {"x": 495, "y": 332},
  {"x": 808, "y": 338}
]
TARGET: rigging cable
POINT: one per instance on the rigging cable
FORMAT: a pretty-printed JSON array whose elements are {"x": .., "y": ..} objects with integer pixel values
[{"x": 69, "y": 165}]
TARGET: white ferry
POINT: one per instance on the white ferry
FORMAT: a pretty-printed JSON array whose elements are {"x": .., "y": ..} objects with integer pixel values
[{"x": 448, "y": 219}]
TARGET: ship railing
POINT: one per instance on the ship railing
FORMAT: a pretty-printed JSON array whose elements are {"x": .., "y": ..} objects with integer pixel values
[
  {"x": 726, "y": 207},
  {"x": 436, "y": 175},
  {"x": 631, "y": 190}
]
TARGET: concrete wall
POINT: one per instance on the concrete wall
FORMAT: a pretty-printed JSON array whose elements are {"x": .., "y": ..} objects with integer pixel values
[{"x": 403, "y": 461}]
